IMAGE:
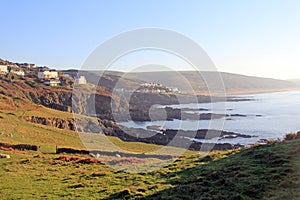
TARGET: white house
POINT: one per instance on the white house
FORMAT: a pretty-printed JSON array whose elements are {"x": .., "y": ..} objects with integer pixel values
[
  {"x": 47, "y": 74},
  {"x": 18, "y": 72},
  {"x": 14, "y": 66},
  {"x": 32, "y": 66},
  {"x": 3, "y": 69},
  {"x": 52, "y": 82},
  {"x": 81, "y": 80}
]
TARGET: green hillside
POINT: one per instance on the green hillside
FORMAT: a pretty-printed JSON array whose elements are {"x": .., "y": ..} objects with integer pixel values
[{"x": 261, "y": 172}]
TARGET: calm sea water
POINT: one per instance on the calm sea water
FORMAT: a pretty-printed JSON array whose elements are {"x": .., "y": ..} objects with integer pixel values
[{"x": 280, "y": 114}]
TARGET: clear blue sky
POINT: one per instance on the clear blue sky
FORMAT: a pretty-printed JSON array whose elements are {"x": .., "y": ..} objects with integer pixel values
[{"x": 254, "y": 37}]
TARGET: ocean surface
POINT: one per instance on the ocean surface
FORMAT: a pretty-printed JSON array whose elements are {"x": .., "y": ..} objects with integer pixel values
[{"x": 268, "y": 116}]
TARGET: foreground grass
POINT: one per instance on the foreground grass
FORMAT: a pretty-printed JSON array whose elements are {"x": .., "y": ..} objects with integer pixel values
[
  {"x": 262, "y": 172},
  {"x": 255, "y": 173}
]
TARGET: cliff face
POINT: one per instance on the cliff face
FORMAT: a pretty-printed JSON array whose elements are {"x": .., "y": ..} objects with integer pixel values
[
  {"x": 56, "y": 98},
  {"x": 59, "y": 100},
  {"x": 73, "y": 124},
  {"x": 67, "y": 124}
]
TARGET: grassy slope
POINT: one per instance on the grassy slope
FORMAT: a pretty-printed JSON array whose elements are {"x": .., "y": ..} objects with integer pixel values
[
  {"x": 14, "y": 130},
  {"x": 263, "y": 172},
  {"x": 270, "y": 172}
]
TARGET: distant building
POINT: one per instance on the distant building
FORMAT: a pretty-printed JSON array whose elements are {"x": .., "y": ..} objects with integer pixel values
[
  {"x": 32, "y": 66},
  {"x": 28, "y": 66},
  {"x": 65, "y": 75},
  {"x": 3, "y": 62},
  {"x": 3, "y": 69},
  {"x": 14, "y": 66},
  {"x": 18, "y": 72},
  {"x": 51, "y": 74},
  {"x": 52, "y": 82},
  {"x": 81, "y": 80},
  {"x": 41, "y": 69}
]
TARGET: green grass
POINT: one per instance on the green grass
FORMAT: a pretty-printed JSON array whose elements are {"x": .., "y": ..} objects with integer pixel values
[
  {"x": 262, "y": 172},
  {"x": 14, "y": 130}
]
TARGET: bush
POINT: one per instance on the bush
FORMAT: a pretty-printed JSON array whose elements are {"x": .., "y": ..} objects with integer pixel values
[
  {"x": 32, "y": 83},
  {"x": 292, "y": 136}
]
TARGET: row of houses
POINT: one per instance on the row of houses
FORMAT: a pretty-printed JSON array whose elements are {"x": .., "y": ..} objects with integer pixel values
[
  {"x": 156, "y": 88},
  {"x": 17, "y": 68},
  {"x": 56, "y": 82},
  {"x": 4, "y": 69},
  {"x": 51, "y": 78},
  {"x": 48, "y": 76},
  {"x": 149, "y": 88}
]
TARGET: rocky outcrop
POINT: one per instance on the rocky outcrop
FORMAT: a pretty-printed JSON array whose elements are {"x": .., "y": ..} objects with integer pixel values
[
  {"x": 67, "y": 124},
  {"x": 58, "y": 100}
]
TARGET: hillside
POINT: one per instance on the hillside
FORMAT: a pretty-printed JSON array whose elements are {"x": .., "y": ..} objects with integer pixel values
[
  {"x": 261, "y": 172},
  {"x": 108, "y": 78},
  {"x": 234, "y": 83},
  {"x": 297, "y": 81},
  {"x": 185, "y": 80}
]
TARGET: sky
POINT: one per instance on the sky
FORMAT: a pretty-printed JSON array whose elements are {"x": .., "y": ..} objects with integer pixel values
[{"x": 251, "y": 37}]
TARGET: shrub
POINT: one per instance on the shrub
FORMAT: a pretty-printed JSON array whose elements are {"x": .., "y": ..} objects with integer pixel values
[{"x": 292, "y": 136}]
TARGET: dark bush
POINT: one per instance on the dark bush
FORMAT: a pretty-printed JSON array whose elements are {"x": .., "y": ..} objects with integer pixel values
[{"x": 292, "y": 136}]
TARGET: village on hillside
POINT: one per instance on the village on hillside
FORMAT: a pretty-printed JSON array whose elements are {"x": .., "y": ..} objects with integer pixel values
[
  {"x": 53, "y": 78},
  {"x": 156, "y": 88},
  {"x": 42, "y": 74}
]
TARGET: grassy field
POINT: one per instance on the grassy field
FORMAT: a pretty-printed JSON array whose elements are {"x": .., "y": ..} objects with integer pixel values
[
  {"x": 15, "y": 130},
  {"x": 261, "y": 172}
]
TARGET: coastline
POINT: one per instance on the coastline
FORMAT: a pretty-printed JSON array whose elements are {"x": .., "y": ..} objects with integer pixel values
[{"x": 253, "y": 91}]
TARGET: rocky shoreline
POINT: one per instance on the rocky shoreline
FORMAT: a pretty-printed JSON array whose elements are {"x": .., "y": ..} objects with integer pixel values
[
  {"x": 165, "y": 137},
  {"x": 169, "y": 113}
]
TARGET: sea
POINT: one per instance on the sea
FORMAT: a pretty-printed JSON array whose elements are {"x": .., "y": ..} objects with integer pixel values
[{"x": 263, "y": 116}]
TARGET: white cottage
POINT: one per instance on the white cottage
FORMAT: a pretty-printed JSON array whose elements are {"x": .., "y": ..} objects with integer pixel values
[
  {"x": 81, "y": 80},
  {"x": 3, "y": 69},
  {"x": 48, "y": 74}
]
